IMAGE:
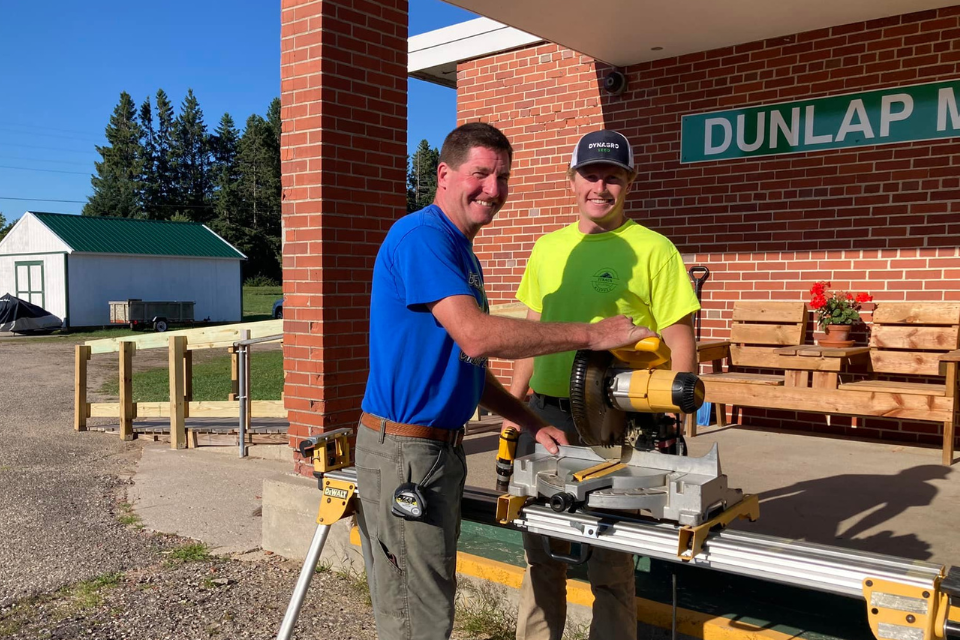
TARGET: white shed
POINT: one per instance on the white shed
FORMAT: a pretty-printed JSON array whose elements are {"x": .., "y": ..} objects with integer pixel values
[{"x": 72, "y": 266}]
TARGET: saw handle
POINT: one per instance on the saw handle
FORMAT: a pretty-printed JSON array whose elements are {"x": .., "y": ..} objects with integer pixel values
[{"x": 649, "y": 353}]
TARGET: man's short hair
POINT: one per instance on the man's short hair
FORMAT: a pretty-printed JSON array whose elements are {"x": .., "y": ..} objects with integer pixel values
[{"x": 458, "y": 143}]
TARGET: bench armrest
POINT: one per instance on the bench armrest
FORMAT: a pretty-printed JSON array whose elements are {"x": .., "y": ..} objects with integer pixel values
[
  {"x": 713, "y": 350},
  {"x": 952, "y": 356}
]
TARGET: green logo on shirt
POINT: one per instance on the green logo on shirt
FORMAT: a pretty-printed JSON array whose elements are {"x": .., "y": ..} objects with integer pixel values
[{"x": 605, "y": 280}]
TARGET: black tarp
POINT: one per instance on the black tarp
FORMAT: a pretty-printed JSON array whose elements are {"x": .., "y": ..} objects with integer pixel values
[{"x": 19, "y": 315}]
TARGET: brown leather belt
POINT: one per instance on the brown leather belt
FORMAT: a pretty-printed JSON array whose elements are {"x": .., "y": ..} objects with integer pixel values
[{"x": 453, "y": 436}]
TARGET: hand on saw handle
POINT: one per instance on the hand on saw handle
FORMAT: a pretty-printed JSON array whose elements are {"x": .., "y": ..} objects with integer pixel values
[
  {"x": 616, "y": 332},
  {"x": 649, "y": 353}
]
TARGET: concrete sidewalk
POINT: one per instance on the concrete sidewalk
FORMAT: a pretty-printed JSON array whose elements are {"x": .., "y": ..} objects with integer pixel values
[{"x": 209, "y": 494}]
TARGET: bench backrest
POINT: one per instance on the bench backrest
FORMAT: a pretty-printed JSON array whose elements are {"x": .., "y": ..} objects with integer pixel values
[
  {"x": 909, "y": 338},
  {"x": 760, "y": 327}
]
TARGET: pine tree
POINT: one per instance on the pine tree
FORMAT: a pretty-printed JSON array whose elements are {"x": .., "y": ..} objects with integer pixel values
[
  {"x": 190, "y": 161},
  {"x": 422, "y": 177},
  {"x": 163, "y": 182},
  {"x": 260, "y": 190},
  {"x": 116, "y": 186},
  {"x": 225, "y": 170},
  {"x": 148, "y": 180}
]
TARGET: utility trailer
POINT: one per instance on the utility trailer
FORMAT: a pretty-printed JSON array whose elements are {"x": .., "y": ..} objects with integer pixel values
[{"x": 158, "y": 314}]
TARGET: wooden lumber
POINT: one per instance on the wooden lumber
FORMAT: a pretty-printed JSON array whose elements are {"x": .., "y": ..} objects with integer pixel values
[
  {"x": 735, "y": 377},
  {"x": 201, "y": 338},
  {"x": 770, "y": 334},
  {"x": 824, "y": 380},
  {"x": 770, "y": 312},
  {"x": 892, "y": 386},
  {"x": 178, "y": 436},
  {"x": 104, "y": 409},
  {"x": 211, "y": 409},
  {"x": 187, "y": 382},
  {"x": 127, "y": 350},
  {"x": 234, "y": 374},
  {"x": 81, "y": 409},
  {"x": 709, "y": 351},
  {"x": 764, "y": 358},
  {"x": 917, "y": 313},
  {"x": 907, "y": 337},
  {"x": 833, "y": 401},
  {"x": 905, "y": 362}
]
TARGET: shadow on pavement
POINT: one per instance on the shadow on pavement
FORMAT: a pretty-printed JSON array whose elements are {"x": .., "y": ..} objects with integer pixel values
[{"x": 840, "y": 509}]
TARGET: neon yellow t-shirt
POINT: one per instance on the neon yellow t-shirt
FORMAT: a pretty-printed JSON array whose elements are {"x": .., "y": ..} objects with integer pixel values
[{"x": 577, "y": 277}]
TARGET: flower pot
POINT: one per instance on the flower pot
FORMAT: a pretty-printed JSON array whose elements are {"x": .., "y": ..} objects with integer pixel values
[{"x": 838, "y": 335}]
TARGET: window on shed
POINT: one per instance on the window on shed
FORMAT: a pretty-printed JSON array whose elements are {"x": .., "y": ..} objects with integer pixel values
[{"x": 30, "y": 282}]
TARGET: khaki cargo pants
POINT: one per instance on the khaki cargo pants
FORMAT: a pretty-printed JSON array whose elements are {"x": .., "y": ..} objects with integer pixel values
[
  {"x": 543, "y": 593},
  {"x": 411, "y": 565}
]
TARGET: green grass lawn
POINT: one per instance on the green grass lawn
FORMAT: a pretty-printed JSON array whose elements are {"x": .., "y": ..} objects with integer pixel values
[
  {"x": 211, "y": 380},
  {"x": 258, "y": 302}
]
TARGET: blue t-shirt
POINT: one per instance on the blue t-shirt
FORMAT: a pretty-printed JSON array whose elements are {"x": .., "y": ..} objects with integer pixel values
[{"x": 418, "y": 374}]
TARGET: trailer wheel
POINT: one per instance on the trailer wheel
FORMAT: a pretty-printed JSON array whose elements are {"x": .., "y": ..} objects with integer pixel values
[
  {"x": 160, "y": 325},
  {"x": 133, "y": 326}
]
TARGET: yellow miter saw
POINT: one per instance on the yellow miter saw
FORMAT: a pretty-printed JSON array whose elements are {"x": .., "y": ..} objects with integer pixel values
[{"x": 625, "y": 405}]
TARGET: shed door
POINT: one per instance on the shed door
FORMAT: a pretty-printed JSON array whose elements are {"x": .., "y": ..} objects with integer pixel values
[{"x": 30, "y": 282}]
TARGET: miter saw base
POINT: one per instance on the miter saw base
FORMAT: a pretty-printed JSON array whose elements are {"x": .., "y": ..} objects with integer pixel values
[{"x": 685, "y": 490}]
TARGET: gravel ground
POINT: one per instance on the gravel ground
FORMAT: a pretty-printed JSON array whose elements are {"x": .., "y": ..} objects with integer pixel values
[{"x": 72, "y": 569}]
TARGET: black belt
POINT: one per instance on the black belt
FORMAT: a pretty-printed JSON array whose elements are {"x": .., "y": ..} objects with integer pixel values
[{"x": 561, "y": 403}]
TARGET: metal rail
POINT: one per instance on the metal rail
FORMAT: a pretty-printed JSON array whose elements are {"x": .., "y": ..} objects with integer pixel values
[
  {"x": 243, "y": 380},
  {"x": 791, "y": 562}
]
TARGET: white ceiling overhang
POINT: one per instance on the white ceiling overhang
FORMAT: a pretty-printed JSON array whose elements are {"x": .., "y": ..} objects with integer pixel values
[{"x": 626, "y": 32}]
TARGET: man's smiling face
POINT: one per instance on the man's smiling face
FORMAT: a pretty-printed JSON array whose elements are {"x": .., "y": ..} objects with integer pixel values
[
  {"x": 600, "y": 190},
  {"x": 473, "y": 193}
]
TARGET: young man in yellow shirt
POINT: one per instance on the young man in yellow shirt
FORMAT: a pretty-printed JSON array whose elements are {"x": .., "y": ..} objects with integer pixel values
[{"x": 601, "y": 266}]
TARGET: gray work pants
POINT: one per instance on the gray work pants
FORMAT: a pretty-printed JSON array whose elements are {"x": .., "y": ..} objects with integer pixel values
[
  {"x": 543, "y": 593},
  {"x": 411, "y": 565}
]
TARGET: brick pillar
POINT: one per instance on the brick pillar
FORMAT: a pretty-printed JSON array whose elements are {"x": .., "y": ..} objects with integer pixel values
[{"x": 343, "y": 152}]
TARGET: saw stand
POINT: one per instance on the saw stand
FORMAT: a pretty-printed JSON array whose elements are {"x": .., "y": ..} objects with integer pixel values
[{"x": 331, "y": 453}]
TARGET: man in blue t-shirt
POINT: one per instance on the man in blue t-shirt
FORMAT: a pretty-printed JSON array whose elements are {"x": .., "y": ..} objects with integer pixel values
[{"x": 430, "y": 337}]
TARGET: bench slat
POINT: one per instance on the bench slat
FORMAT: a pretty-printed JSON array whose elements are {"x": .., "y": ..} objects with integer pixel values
[
  {"x": 921, "y": 363},
  {"x": 917, "y": 313},
  {"x": 778, "y": 334},
  {"x": 892, "y": 336},
  {"x": 834, "y": 401},
  {"x": 765, "y": 358},
  {"x": 891, "y": 386},
  {"x": 782, "y": 312},
  {"x": 745, "y": 378}
]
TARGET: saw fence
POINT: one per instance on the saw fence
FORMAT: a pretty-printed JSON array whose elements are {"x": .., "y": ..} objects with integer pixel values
[{"x": 180, "y": 346}]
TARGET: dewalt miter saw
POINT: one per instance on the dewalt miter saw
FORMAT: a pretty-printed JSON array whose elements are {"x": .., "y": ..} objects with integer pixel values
[{"x": 625, "y": 405}]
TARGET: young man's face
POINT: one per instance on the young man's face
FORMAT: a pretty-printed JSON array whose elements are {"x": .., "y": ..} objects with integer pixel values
[
  {"x": 600, "y": 190},
  {"x": 473, "y": 193}
]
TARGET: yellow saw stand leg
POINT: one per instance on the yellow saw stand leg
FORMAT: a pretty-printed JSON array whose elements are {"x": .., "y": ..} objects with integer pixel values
[{"x": 330, "y": 451}]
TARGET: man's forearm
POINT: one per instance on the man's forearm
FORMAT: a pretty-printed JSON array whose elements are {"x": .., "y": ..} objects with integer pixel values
[
  {"x": 515, "y": 339},
  {"x": 520, "y": 381}
]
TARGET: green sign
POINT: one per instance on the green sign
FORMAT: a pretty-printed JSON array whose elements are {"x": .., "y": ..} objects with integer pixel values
[{"x": 901, "y": 114}]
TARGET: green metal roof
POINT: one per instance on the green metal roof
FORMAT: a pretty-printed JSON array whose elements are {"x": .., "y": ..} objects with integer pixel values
[{"x": 88, "y": 234}]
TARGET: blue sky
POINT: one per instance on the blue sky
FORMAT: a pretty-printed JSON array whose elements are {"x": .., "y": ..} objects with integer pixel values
[{"x": 64, "y": 63}]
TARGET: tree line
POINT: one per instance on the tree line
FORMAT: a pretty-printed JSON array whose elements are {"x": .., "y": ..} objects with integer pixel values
[{"x": 160, "y": 165}]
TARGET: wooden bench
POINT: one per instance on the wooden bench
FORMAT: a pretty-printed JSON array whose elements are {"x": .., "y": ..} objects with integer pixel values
[
  {"x": 909, "y": 371},
  {"x": 758, "y": 329}
]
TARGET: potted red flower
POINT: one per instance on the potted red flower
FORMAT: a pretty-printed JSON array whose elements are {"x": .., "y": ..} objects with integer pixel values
[{"x": 837, "y": 312}]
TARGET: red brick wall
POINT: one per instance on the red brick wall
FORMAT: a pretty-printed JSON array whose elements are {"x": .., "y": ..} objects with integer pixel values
[
  {"x": 344, "y": 111},
  {"x": 881, "y": 219}
]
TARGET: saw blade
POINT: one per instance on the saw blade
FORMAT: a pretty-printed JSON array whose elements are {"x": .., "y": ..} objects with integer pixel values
[{"x": 597, "y": 422}]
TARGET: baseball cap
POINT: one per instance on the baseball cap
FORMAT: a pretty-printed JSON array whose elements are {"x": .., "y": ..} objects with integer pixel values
[{"x": 608, "y": 147}]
